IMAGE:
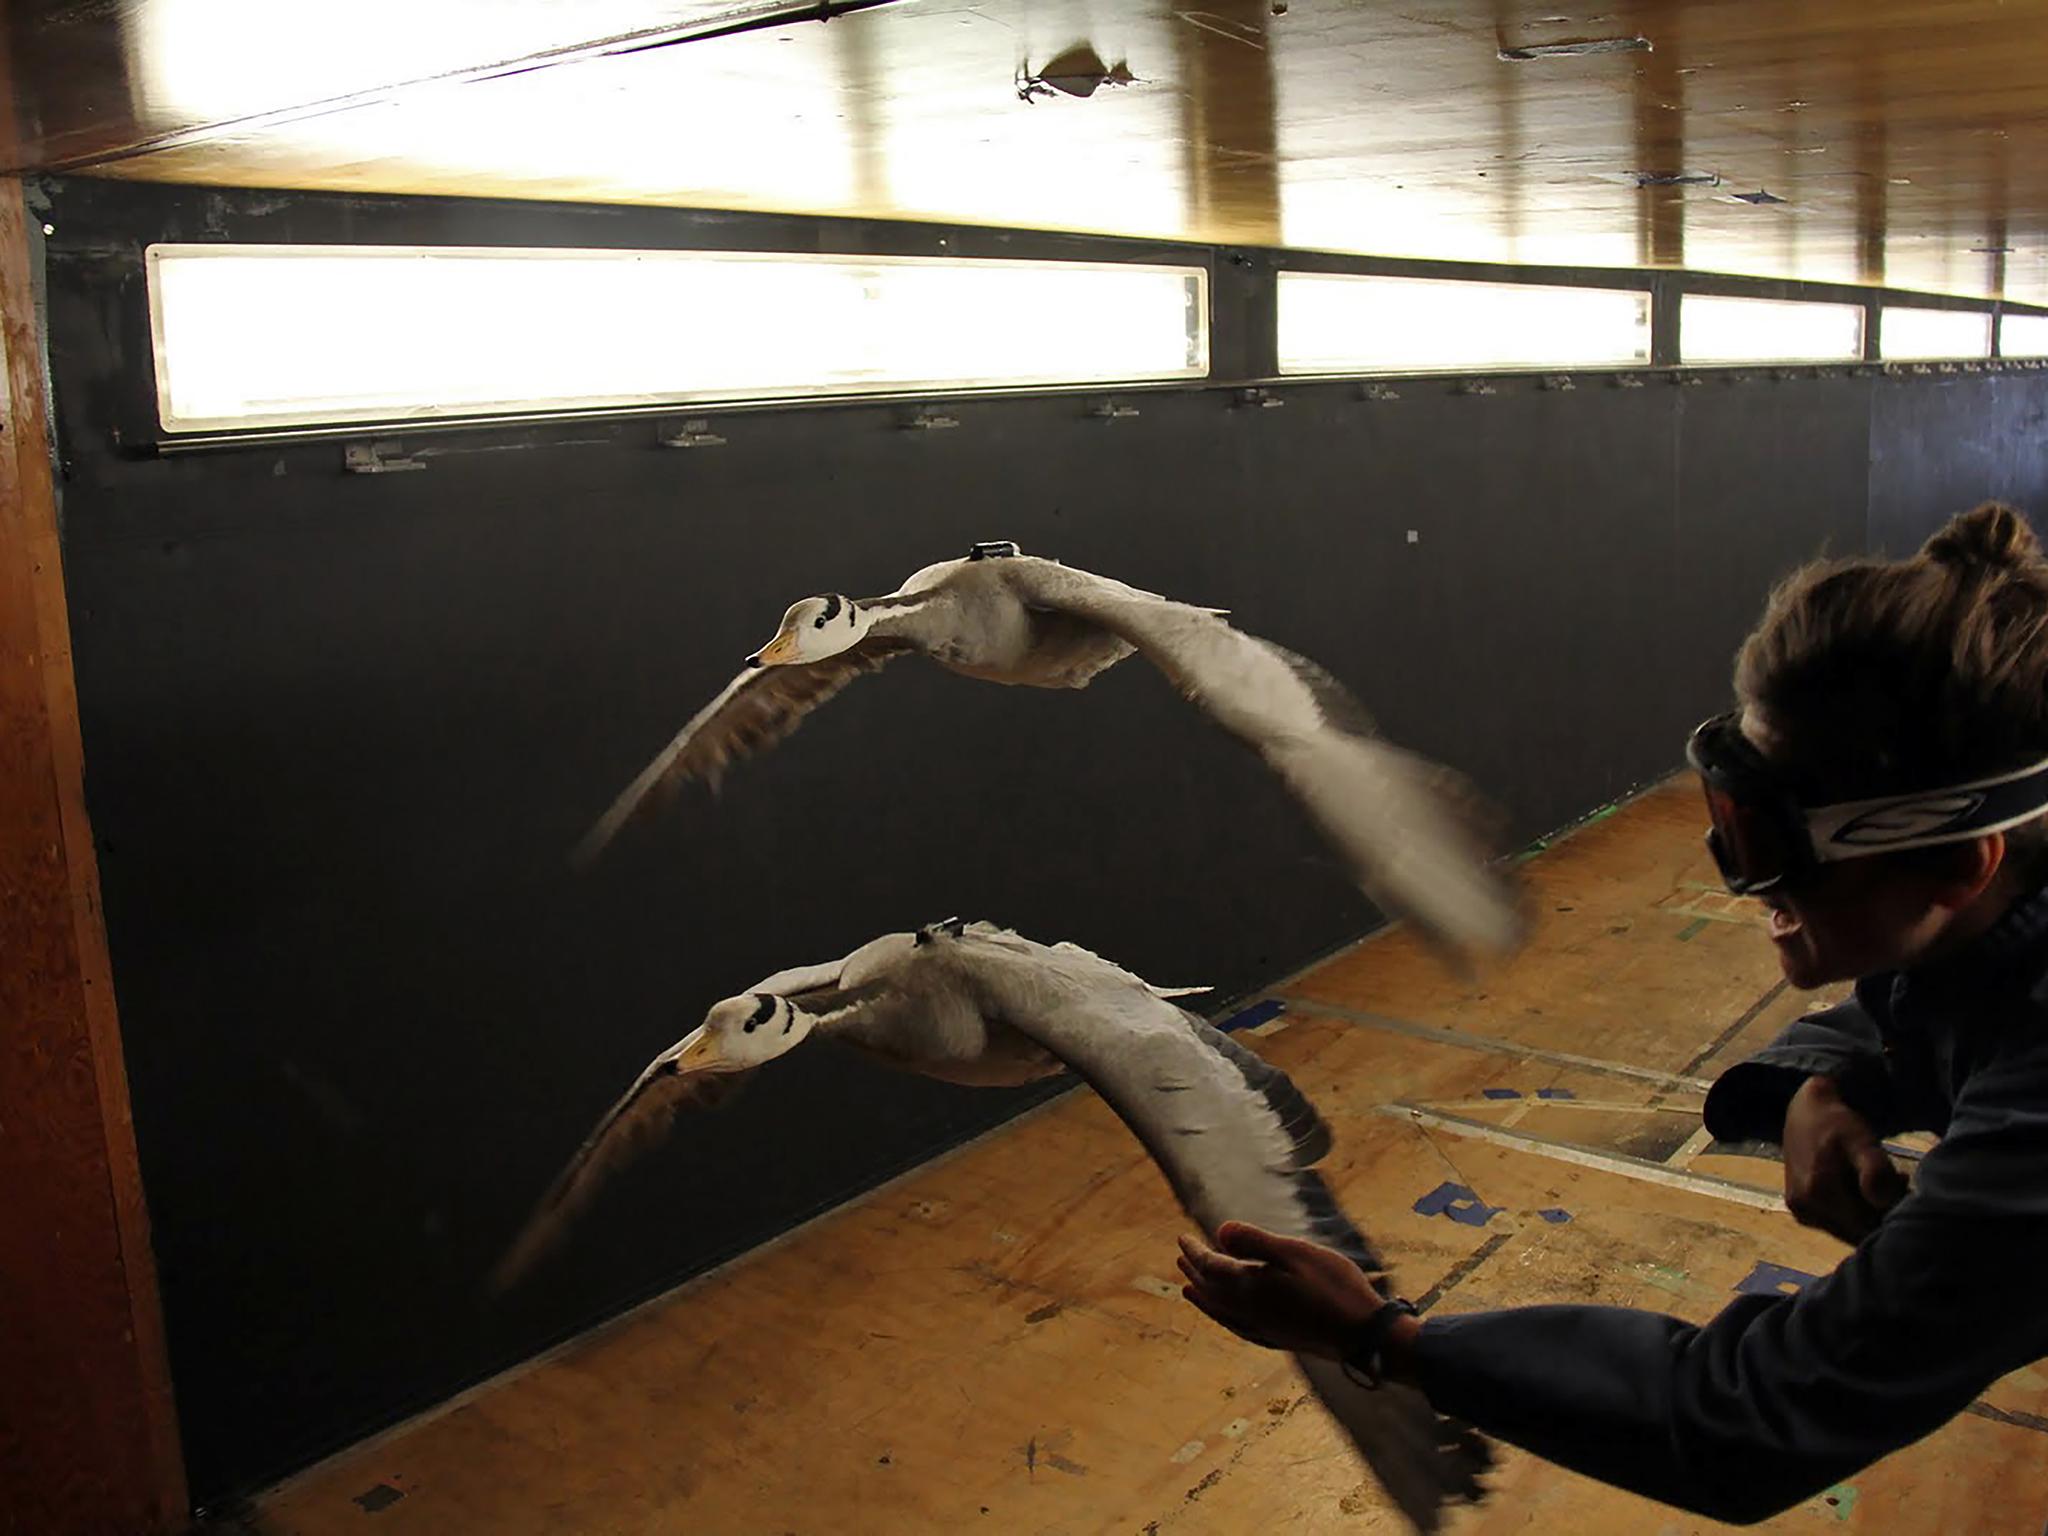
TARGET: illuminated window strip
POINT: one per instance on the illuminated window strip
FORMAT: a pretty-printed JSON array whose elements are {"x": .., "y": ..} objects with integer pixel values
[
  {"x": 1719, "y": 328},
  {"x": 1339, "y": 323},
  {"x": 279, "y": 335},
  {"x": 1909, "y": 333},
  {"x": 2023, "y": 335}
]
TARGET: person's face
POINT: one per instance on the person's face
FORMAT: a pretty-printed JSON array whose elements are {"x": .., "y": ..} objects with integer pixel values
[
  {"x": 1861, "y": 916},
  {"x": 1855, "y": 918}
]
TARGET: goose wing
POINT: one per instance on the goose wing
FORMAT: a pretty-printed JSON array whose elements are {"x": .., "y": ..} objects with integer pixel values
[
  {"x": 1236, "y": 1140},
  {"x": 681, "y": 1077},
  {"x": 1417, "y": 838},
  {"x": 753, "y": 711}
]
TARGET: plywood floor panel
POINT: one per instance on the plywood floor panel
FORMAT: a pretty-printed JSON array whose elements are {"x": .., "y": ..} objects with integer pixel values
[{"x": 1621, "y": 964}]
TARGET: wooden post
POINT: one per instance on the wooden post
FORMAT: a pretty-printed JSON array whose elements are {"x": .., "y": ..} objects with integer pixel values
[{"x": 88, "y": 1436}]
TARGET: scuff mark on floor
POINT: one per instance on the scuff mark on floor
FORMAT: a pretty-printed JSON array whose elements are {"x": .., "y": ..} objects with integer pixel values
[{"x": 381, "y": 1497}]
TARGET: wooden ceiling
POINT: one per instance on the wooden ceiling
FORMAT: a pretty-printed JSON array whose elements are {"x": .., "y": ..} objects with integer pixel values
[{"x": 1908, "y": 141}]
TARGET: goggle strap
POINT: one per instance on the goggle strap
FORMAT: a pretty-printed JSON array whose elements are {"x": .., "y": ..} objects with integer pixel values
[{"x": 1895, "y": 823}]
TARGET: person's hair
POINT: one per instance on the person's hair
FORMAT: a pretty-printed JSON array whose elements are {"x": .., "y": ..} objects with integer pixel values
[{"x": 1872, "y": 677}]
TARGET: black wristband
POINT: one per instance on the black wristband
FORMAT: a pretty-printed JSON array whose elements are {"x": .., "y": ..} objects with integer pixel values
[{"x": 1361, "y": 1357}]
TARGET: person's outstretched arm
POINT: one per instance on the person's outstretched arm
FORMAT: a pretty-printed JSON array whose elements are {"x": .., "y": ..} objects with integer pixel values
[{"x": 1767, "y": 1404}]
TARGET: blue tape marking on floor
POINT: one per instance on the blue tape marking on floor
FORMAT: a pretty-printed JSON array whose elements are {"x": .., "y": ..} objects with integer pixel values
[
  {"x": 1502, "y": 1093},
  {"x": 1773, "y": 1280},
  {"x": 1555, "y": 1214},
  {"x": 1459, "y": 1204},
  {"x": 1252, "y": 1017},
  {"x": 1554, "y": 1093}
]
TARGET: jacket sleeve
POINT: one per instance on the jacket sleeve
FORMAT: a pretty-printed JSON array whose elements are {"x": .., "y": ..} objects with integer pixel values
[
  {"x": 1781, "y": 1396},
  {"x": 1749, "y": 1100}
]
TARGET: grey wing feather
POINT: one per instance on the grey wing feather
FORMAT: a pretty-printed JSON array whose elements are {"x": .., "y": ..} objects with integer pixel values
[
  {"x": 1237, "y": 1140},
  {"x": 639, "y": 1122},
  {"x": 1416, "y": 837},
  {"x": 754, "y": 711},
  {"x": 1297, "y": 1116}
]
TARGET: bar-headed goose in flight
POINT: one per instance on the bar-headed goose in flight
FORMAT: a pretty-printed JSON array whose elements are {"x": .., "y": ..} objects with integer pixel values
[
  {"x": 1410, "y": 831},
  {"x": 974, "y": 1003}
]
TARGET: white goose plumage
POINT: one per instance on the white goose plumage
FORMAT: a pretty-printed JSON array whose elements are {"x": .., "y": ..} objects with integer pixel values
[
  {"x": 978, "y": 1004},
  {"x": 1413, "y": 834}
]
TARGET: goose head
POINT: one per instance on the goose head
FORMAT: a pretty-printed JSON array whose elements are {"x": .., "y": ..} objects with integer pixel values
[
  {"x": 813, "y": 629},
  {"x": 742, "y": 1032}
]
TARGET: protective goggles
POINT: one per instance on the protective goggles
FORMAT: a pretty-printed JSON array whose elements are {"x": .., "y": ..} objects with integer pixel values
[{"x": 1763, "y": 839}]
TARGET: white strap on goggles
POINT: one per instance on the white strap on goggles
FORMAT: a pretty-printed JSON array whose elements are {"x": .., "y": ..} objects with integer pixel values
[{"x": 1893, "y": 823}]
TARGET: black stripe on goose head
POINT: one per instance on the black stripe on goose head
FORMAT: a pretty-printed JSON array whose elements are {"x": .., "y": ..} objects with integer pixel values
[
  {"x": 832, "y": 604},
  {"x": 763, "y": 1012}
]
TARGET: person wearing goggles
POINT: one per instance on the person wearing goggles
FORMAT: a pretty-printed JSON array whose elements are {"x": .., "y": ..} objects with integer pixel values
[{"x": 1882, "y": 791}]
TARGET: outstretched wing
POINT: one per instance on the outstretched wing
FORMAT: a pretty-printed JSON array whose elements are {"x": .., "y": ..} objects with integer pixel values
[
  {"x": 1416, "y": 836},
  {"x": 638, "y": 1123},
  {"x": 1237, "y": 1141},
  {"x": 754, "y": 711},
  {"x": 645, "y": 1114}
]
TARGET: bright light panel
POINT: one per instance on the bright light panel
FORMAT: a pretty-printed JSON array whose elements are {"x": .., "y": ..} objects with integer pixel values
[
  {"x": 1929, "y": 333},
  {"x": 2023, "y": 335},
  {"x": 1713, "y": 329},
  {"x": 1332, "y": 323},
  {"x": 265, "y": 336}
]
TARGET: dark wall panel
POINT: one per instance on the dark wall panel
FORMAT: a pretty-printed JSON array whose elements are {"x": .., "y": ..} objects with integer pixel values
[
  {"x": 341, "y": 730},
  {"x": 1946, "y": 442},
  {"x": 1769, "y": 477}
]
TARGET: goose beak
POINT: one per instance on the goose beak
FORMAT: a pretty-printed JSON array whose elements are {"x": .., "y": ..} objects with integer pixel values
[
  {"x": 773, "y": 654},
  {"x": 699, "y": 1053}
]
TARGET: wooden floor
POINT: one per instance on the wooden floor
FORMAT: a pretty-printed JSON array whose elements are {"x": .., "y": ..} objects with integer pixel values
[{"x": 996, "y": 1342}]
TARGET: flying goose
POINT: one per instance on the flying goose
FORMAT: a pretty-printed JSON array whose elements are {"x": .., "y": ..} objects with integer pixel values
[
  {"x": 978, "y": 1004},
  {"x": 1410, "y": 831}
]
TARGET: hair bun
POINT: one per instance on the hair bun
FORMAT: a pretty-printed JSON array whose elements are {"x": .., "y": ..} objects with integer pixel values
[{"x": 1992, "y": 535}]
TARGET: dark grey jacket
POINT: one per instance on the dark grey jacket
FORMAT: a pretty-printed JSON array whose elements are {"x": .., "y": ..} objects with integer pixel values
[{"x": 1781, "y": 1396}]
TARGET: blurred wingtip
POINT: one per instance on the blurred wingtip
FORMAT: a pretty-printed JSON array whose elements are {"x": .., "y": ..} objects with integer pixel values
[{"x": 526, "y": 1251}]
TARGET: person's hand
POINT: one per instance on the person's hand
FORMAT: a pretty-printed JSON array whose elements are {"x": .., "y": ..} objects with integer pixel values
[
  {"x": 1278, "y": 1291},
  {"x": 1837, "y": 1176}
]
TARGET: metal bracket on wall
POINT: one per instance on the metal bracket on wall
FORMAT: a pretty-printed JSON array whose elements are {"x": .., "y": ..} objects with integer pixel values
[
  {"x": 1378, "y": 392},
  {"x": 1261, "y": 399},
  {"x": 1473, "y": 387},
  {"x": 926, "y": 419},
  {"x": 1559, "y": 381},
  {"x": 1626, "y": 381},
  {"x": 695, "y": 433},
  {"x": 385, "y": 458},
  {"x": 1111, "y": 410}
]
